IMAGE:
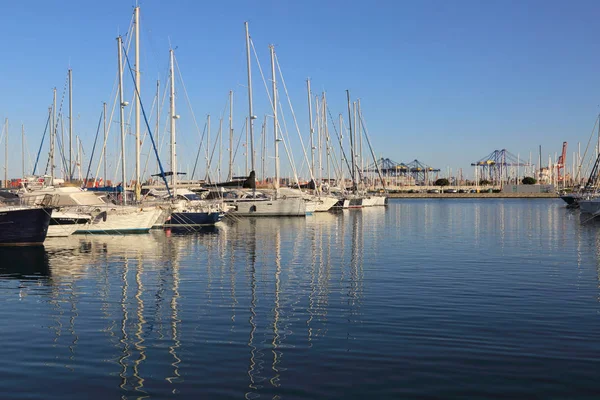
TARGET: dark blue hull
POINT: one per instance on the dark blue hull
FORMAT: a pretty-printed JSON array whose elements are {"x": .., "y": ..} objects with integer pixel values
[
  {"x": 24, "y": 226},
  {"x": 192, "y": 219}
]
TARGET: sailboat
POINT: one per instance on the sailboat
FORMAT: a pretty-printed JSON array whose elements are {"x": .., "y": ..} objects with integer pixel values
[
  {"x": 186, "y": 211},
  {"x": 106, "y": 217},
  {"x": 250, "y": 202},
  {"x": 36, "y": 190},
  {"x": 357, "y": 198},
  {"x": 321, "y": 202}
]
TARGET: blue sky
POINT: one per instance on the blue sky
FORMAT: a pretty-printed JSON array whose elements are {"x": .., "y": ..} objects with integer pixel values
[{"x": 446, "y": 82}]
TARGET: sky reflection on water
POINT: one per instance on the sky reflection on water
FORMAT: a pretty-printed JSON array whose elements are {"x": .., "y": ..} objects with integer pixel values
[{"x": 427, "y": 298}]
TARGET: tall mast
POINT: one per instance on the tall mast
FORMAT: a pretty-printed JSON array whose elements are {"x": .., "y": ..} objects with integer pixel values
[
  {"x": 137, "y": 104},
  {"x": 22, "y": 150},
  {"x": 79, "y": 158},
  {"x": 357, "y": 174},
  {"x": 53, "y": 136},
  {"x": 247, "y": 148},
  {"x": 311, "y": 132},
  {"x": 6, "y": 153},
  {"x": 50, "y": 133},
  {"x": 104, "y": 178},
  {"x": 351, "y": 142},
  {"x": 173, "y": 118},
  {"x": 157, "y": 129},
  {"x": 122, "y": 105},
  {"x": 220, "y": 147},
  {"x": 342, "y": 153},
  {"x": 263, "y": 151},
  {"x": 230, "y": 175},
  {"x": 360, "y": 139},
  {"x": 326, "y": 139},
  {"x": 63, "y": 167},
  {"x": 70, "y": 171},
  {"x": 356, "y": 154},
  {"x": 250, "y": 112},
  {"x": 207, "y": 147},
  {"x": 320, "y": 137},
  {"x": 274, "y": 82}
]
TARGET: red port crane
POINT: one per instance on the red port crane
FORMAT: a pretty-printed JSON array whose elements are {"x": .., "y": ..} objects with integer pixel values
[{"x": 561, "y": 162}]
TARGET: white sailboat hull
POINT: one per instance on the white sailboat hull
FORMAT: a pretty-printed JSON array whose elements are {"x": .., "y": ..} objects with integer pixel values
[
  {"x": 325, "y": 203},
  {"x": 66, "y": 221},
  {"x": 122, "y": 220},
  {"x": 289, "y": 207},
  {"x": 360, "y": 202},
  {"x": 62, "y": 230},
  {"x": 350, "y": 202},
  {"x": 372, "y": 201},
  {"x": 368, "y": 201},
  {"x": 311, "y": 206}
]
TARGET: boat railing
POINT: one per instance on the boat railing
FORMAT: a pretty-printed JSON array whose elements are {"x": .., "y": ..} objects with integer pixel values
[{"x": 46, "y": 200}]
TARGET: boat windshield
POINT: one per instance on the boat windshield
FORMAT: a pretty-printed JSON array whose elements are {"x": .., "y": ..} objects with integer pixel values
[{"x": 190, "y": 196}]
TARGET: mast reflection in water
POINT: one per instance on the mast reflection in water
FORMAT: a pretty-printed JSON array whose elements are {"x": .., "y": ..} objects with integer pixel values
[{"x": 426, "y": 298}]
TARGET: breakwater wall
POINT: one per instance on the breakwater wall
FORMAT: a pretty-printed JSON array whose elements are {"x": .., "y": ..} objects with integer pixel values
[{"x": 472, "y": 195}]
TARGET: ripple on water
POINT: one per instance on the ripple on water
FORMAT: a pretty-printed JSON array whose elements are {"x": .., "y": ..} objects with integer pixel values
[{"x": 428, "y": 298}]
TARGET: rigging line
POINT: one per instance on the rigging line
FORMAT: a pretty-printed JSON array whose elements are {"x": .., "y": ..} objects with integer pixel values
[
  {"x": 212, "y": 154},
  {"x": 326, "y": 138},
  {"x": 127, "y": 127},
  {"x": 162, "y": 172},
  {"x": 198, "y": 155},
  {"x": 154, "y": 103},
  {"x": 160, "y": 106},
  {"x": 59, "y": 115},
  {"x": 587, "y": 147},
  {"x": 242, "y": 133},
  {"x": 61, "y": 150},
  {"x": 28, "y": 153},
  {"x": 272, "y": 105},
  {"x": 295, "y": 120},
  {"x": 339, "y": 139},
  {"x": 290, "y": 156},
  {"x": 41, "y": 144},
  {"x": 337, "y": 166},
  {"x": 128, "y": 132},
  {"x": 287, "y": 136},
  {"x": 150, "y": 40},
  {"x": 189, "y": 103},
  {"x": 93, "y": 149},
  {"x": 112, "y": 112},
  {"x": 366, "y": 133},
  {"x": 162, "y": 138},
  {"x": 263, "y": 147},
  {"x": 217, "y": 139}
]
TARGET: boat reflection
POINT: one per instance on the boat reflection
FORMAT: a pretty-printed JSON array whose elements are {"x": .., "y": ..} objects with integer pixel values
[
  {"x": 24, "y": 263},
  {"x": 154, "y": 300},
  {"x": 289, "y": 263}
]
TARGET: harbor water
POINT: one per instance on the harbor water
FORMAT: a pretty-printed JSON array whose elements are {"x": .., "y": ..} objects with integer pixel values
[{"x": 426, "y": 298}]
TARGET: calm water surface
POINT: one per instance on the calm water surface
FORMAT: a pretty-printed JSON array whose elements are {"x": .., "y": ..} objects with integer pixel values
[{"x": 425, "y": 299}]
